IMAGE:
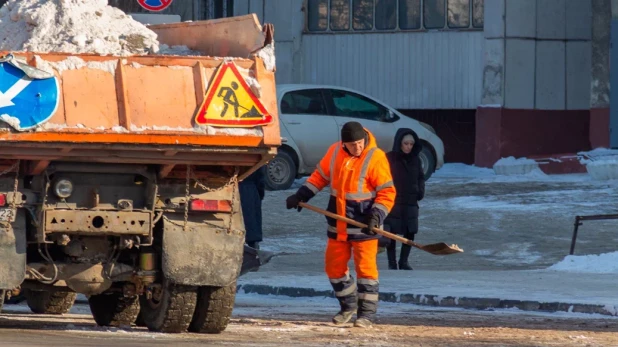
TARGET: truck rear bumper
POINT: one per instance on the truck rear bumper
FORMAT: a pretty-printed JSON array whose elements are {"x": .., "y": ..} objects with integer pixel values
[{"x": 98, "y": 222}]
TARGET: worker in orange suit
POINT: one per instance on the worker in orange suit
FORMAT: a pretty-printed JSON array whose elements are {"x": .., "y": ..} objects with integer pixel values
[{"x": 361, "y": 189}]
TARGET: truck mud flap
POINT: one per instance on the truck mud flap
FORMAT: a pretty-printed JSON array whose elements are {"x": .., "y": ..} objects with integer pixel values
[
  {"x": 200, "y": 256},
  {"x": 13, "y": 252}
]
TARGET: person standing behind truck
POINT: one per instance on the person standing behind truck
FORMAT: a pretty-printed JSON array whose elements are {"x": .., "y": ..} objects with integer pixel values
[
  {"x": 252, "y": 191},
  {"x": 361, "y": 189},
  {"x": 409, "y": 181}
]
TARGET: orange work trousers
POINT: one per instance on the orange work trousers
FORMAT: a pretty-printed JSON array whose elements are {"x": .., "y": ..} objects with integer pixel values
[{"x": 338, "y": 255}]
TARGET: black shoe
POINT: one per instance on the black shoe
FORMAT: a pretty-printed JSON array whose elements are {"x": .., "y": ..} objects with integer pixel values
[
  {"x": 392, "y": 266},
  {"x": 405, "y": 266},
  {"x": 343, "y": 317},
  {"x": 403, "y": 258}
]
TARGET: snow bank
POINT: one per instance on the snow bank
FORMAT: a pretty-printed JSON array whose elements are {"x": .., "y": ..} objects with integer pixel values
[
  {"x": 76, "y": 26},
  {"x": 512, "y": 166},
  {"x": 604, "y": 169},
  {"x": 601, "y": 263}
]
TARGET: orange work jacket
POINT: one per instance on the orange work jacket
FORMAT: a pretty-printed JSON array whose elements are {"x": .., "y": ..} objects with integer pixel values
[{"x": 358, "y": 184}]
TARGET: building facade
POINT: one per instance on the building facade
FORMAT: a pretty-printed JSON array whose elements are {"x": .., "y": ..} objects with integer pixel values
[{"x": 495, "y": 78}]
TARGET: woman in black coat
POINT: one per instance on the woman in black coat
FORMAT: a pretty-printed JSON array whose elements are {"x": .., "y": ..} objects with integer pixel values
[
  {"x": 251, "y": 195},
  {"x": 409, "y": 182}
]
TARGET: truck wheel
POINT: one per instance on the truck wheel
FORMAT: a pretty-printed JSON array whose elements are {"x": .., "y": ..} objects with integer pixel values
[
  {"x": 50, "y": 302},
  {"x": 214, "y": 309},
  {"x": 280, "y": 172},
  {"x": 170, "y": 310},
  {"x": 114, "y": 309}
]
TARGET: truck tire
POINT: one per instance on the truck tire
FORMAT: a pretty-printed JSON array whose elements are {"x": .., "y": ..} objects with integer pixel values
[
  {"x": 280, "y": 172},
  {"x": 214, "y": 309},
  {"x": 50, "y": 302},
  {"x": 173, "y": 312},
  {"x": 114, "y": 309}
]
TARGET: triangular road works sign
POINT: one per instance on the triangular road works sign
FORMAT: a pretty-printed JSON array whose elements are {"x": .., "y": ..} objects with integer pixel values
[{"x": 230, "y": 102}]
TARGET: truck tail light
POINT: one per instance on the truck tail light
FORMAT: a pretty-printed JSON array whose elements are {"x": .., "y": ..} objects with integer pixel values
[
  {"x": 2, "y": 199},
  {"x": 210, "y": 205}
]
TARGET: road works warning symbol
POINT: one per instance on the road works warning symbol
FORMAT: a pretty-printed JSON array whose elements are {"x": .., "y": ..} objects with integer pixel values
[{"x": 230, "y": 102}]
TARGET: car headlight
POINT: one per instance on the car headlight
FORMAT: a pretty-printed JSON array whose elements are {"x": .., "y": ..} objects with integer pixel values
[
  {"x": 63, "y": 188},
  {"x": 429, "y": 127}
]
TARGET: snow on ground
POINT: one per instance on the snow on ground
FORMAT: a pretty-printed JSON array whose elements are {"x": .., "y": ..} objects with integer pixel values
[
  {"x": 259, "y": 306},
  {"x": 593, "y": 263},
  {"x": 455, "y": 172},
  {"x": 513, "y": 166},
  {"x": 601, "y": 163},
  {"x": 501, "y": 222},
  {"x": 272, "y": 306}
]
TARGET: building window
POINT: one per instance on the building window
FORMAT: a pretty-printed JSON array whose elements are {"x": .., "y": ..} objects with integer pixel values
[
  {"x": 478, "y": 19},
  {"x": 362, "y": 14},
  {"x": 339, "y": 15},
  {"x": 433, "y": 14},
  {"x": 458, "y": 13},
  {"x": 386, "y": 14},
  {"x": 317, "y": 16},
  {"x": 393, "y": 15},
  {"x": 409, "y": 14}
]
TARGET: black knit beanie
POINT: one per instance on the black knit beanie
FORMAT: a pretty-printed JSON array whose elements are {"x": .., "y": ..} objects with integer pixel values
[{"x": 352, "y": 131}]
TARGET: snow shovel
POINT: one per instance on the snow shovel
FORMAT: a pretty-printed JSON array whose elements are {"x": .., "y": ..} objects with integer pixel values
[{"x": 434, "y": 248}]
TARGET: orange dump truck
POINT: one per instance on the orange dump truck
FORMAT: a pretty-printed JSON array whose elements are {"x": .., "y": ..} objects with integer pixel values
[{"x": 118, "y": 175}]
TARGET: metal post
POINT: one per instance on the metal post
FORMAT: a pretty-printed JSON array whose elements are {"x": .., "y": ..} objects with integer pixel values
[
  {"x": 613, "y": 72},
  {"x": 577, "y": 224}
]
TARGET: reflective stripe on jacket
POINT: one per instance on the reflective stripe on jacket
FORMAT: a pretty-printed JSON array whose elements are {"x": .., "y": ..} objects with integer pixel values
[{"x": 358, "y": 184}]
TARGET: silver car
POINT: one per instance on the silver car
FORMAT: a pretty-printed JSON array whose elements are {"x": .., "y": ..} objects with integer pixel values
[{"x": 312, "y": 116}]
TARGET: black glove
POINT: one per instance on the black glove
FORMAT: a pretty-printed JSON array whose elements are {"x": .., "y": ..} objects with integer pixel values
[
  {"x": 303, "y": 194},
  {"x": 292, "y": 202},
  {"x": 373, "y": 221}
]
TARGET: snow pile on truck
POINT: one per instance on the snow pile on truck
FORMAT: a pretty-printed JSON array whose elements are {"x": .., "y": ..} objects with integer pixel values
[{"x": 77, "y": 26}]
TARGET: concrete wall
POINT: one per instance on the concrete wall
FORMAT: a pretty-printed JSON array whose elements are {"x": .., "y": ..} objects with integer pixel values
[
  {"x": 288, "y": 18},
  {"x": 534, "y": 53},
  {"x": 407, "y": 70}
]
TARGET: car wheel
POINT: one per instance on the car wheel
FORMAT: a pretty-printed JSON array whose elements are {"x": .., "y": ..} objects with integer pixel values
[
  {"x": 280, "y": 172},
  {"x": 428, "y": 161}
]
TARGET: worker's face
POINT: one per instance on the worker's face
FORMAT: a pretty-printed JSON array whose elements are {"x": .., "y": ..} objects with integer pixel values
[
  {"x": 406, "y": 145},
  {"x": 355, "y": 148}
]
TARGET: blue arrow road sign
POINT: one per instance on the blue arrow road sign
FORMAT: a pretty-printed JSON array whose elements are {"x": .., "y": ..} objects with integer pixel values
[{"x": 31, "y": 101}]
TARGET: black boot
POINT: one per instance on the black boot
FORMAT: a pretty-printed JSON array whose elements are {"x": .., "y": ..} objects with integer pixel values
[
  {"x": 403, "y": 258},
  {"x": 391, "y": 253}
]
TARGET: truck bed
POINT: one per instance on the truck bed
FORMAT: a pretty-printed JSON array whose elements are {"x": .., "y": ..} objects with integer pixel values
[{"x": 142, "y": 110}]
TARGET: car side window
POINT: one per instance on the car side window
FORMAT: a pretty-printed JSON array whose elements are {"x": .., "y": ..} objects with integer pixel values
[
  {"x": 309, "y": 101},
  {"x": 348, "y": 104}
]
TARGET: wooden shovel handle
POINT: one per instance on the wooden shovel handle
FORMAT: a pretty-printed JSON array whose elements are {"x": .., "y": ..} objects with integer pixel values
[{"x": 360, "y": 225}]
